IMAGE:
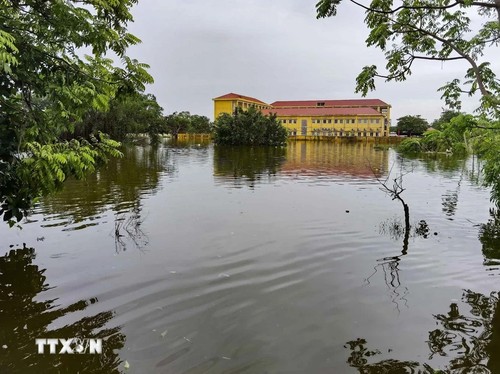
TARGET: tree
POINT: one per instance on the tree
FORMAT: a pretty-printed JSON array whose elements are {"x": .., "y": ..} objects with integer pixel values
[
  {"x": 249, "y": 128},
  {"x": 200, "y": 125},
  {"x": 444, "y": 119},
  {"x": 178, "y": 123},
  {"x": 432, "y": 30},
  {"x": 412, "y": 125},
  {"x": 131, "y": 113},
  {"x": 47, "y": 86},
  {"x": 185, "y": 122}
]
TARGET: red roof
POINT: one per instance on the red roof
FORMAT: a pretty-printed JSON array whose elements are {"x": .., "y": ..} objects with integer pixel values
[
  {"x": 237, "y": 96},
  {"x": 335, "y": 103},
  {"x": 321, "y": 111}
]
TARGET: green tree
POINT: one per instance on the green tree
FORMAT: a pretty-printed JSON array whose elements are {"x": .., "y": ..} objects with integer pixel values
[
  {"x": 185, "y": 122},
  {"x": 249, "y": 128},
  {"x": 436, "y": 31},
  {"x": 445, "y": 118},
  {"x": 131, "y": 113},
  {"x": 412, "y": 125},
  {"x": 47, "y": 86},
  {"x": 178, "y": 123},
  {"x": 200, "y": 125}
]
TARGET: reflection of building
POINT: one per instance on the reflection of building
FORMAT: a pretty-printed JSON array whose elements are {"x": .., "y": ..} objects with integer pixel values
[
  {"x": 332, "y": 118},
  {"x": 250, "y": 166},
  {"x": 327, "y": 159}
]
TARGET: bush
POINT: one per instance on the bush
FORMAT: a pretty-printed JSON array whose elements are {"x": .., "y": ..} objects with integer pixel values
[
  {"x": 434, "y": 141},
  {"x": 410, "y": 145},
  {"x": 249, "y": 128}
]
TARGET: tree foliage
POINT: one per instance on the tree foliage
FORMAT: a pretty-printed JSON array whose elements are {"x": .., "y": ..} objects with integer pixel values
[
  {"x": 249, "y": 128},
  {"x": 444, "y": 119},
  {"x": 133, "y": 113},
  {"x": 432, "y": 30},
  {"x": 185, "y": 122},
  {"x": 47, "y": 86},
  {"x": 412, "y": 125}
]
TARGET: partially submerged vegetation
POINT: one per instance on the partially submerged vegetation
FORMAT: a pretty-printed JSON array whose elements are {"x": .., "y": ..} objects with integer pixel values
[{"x": 249, "y": 128}]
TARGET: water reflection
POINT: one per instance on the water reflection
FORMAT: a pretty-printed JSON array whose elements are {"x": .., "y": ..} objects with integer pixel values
[
  {"x": 470, "y": 340},
  {"x": 118, "y": 186},
  {"x": 24, "y": 318},
  {"x": 489, "y": 236},
  {"x": 439, "y": 162},
  {"x": 360, "y": 160},
  {"x": 360, "y": 355},
  {"x": 319, "y": 161},
  {"x": 247, "y": 165}
]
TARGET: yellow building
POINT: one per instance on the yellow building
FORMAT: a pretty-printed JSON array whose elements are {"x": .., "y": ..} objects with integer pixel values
[
  {"x": 229, "y": 102},
  {"x": 313, "y": 118}
]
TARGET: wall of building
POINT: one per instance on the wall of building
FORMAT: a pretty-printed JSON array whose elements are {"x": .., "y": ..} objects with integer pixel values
[
  {"x": 368, "y": 126},
  {"x": 228, "y": 106},
  {"x": 222, "y": 106}
]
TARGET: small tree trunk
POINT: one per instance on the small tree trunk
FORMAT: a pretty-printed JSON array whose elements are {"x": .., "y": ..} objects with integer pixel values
[{"x": 407, "y": 227}]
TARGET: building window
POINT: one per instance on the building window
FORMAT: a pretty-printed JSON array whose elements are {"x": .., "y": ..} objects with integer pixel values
[
  {"x": 341, "y": 121},
  {"x": 377, "y": 120},
  {"x": 335, "y": 121},
  {"x": 320, "y": 104},
  {"x": 284, "y": 120}
]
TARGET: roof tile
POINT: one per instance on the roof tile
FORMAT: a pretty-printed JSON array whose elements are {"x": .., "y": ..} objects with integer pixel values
[{"x": 321, "y": 111}]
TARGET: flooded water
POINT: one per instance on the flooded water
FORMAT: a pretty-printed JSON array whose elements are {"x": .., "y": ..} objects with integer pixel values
[{"x": 189, "y": 258}]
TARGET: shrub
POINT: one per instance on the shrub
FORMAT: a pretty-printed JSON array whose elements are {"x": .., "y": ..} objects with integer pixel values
[
  {"x": 410, "y": 145},
  {"x": 249, "y": 128}
]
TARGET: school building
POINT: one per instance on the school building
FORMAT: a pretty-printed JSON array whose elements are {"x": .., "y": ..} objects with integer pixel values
[{"x": 318, "y": 118}]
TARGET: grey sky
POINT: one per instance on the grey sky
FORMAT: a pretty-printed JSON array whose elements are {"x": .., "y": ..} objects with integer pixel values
[{"x": 271, "y": 50}]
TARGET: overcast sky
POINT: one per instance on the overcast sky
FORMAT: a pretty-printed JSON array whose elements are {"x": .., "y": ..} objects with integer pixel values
[{"x": 271, "y": 50}]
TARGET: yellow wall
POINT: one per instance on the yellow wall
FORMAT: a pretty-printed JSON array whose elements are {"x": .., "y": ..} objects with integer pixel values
[
  {"x": 346, "y": 128},
  {"x": 229, "y": 105},
  {"x": 222, "y": 106}
]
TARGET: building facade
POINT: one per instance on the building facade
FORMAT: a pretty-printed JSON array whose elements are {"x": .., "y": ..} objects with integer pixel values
[{"x": 318, "y": 118}]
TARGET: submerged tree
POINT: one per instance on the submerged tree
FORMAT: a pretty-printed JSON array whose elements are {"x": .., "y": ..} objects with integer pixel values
[
  {"x": 412, "y": 125},
  {"x": 185, "y": 122},
  {"x": 47, "y": 85},
  {"x": 249, "y": 128}
]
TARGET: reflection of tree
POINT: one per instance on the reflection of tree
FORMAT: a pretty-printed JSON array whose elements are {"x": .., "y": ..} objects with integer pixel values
[
  {"x": 247, "y": 164},
  {"x": 438, "y": 162},
  {"x": 119, "y": 184},
  {"x": 128, "y": 228},
  {"x": 360, "y": 355},
  {"x": 24, "y": 319},
  {"x": 489, "y": 236},
  {"x": 450, "y": 198},
  {"x": 471, "y": 340}
]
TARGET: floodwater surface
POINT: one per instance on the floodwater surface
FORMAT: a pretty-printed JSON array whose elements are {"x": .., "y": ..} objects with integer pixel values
[{"x": 190, "y": 258}]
